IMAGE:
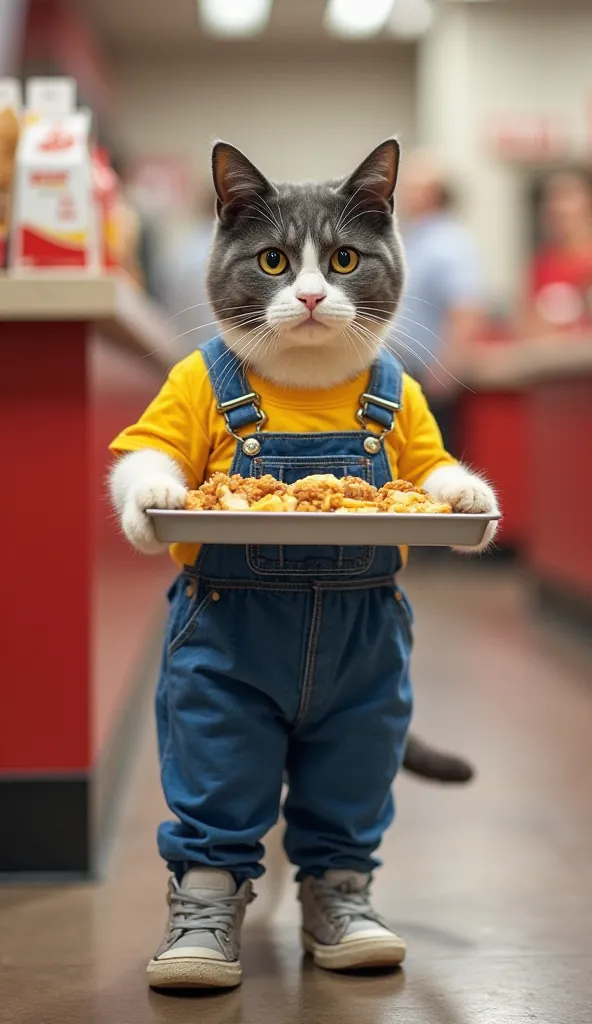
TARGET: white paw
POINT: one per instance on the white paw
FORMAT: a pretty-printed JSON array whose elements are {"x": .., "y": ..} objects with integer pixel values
[
  {"x": 465, "y": 492},
  {"x": 158, "y": 491},
  {"x": 469, "y": 494}
]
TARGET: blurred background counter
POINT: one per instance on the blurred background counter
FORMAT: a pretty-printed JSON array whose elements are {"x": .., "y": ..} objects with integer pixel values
[
  {"x": 527, "y": 423},
  {"x": 81, "y": 357}
]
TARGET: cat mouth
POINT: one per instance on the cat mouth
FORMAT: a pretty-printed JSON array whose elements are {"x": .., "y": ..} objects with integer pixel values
[{"x": 310, "y": 323}]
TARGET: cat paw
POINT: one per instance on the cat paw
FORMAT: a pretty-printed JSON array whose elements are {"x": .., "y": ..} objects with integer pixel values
[
  {"x": 156, "y": 492},
  {"x": 469, "y": 494},
  {"x": 466, "y": 493}
]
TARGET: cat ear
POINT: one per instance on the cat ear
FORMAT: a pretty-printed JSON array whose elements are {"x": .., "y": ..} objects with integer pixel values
[
  {"x": 375, "y": 179},
  {"x": 236, "y": 179}
]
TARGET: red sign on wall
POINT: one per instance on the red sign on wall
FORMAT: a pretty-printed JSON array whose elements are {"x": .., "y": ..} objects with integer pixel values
[{"x": 529, "y": 139}]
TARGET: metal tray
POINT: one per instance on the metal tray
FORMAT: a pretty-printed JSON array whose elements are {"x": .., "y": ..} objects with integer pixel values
[{"x": 382, "y": 529}]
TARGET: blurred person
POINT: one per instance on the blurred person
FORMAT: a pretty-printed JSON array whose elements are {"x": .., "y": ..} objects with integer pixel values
[
  {"x": 559, "y": 285},
  {"x": 441, "y": 311},
  {"x": 288, "y": 659},
  {"x": 182, "y": 270}
]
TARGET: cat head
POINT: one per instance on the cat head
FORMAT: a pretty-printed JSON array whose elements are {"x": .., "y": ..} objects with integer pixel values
[{"x": 304, "y": 278}]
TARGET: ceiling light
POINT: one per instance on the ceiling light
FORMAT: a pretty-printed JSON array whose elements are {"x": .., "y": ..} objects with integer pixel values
[
  {"x": 411, "y": 18},
  {"x": 357, "y": 18},
  {"x": 235, "y": 17}
]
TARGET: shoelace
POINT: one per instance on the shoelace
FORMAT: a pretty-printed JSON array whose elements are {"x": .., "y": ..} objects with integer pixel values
[
  {"x": 192, "y": 913},
  {"x": 339, "y": 903}
]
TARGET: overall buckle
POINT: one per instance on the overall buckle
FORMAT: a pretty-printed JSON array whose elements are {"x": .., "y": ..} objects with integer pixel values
[
  {"x": 252, "y": 398},
  {"x": 367, "y": 399}
]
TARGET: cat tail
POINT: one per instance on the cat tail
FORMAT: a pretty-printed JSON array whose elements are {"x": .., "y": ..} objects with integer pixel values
[{"x": 436, "y": 765}]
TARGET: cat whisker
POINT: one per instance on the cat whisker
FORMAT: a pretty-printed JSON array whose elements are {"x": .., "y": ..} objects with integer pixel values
[
  {"x": 408, "y": 295},
  {"x": 257, "y": 325},
  {"x": 255, "y": 345},
  {"x": 243, "y": 305},
  {"x": 395, "y": 334},
  {"x": 199, "y": 327},
  {"x": 264, "y": 215},
  {"x": 246, "y": 344},
  {"x": 360, "y": 327},
  {"x": 213, "y": 323},
  {"x": 279, "y": 226},
  {"x": 364, "y": 213},
  {"x": 345, "y": 208},
  {"x": 392, "y": 325},
  {"x": 396, "y": 330},
  {"x": 349, "y": 338}
]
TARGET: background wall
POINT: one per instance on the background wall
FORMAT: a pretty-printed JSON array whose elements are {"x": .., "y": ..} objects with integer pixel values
[
  {"x": 494, "y": 64},
  {"x": 297, "y": 119},
  {"x": 307, "y": 107}
]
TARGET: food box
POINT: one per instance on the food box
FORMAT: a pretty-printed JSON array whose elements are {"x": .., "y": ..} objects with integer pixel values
[
  {"x": 55, "y": 222},
  {"x": 49, "y": 98}
]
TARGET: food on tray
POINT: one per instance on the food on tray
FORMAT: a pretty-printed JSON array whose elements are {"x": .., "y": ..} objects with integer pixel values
[{"x": 321, "y": 492}]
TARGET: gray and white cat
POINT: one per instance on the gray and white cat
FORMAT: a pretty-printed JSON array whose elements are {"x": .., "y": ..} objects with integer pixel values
[{"x": 303, "y": 323}]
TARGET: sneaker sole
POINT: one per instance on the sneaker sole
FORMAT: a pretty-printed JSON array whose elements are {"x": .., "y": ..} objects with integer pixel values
[
  {"x": 193, "y": 973},
  {"x": 355, "y": 954}
]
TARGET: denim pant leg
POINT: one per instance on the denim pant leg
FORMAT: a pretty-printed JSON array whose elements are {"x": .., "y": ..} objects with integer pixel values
[
  {"x": 223, "y": 737},
  {"x": 344, "y": 757}
]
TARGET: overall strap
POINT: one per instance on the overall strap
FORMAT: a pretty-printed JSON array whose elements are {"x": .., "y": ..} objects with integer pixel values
[
  {"x": 382, "y": 401},
  {"x": 235, "y": 400}
]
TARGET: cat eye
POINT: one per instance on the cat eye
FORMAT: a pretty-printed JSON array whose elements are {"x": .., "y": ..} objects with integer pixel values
[
  {"x": 273, "y": 261},
  {"x": 343, "y": 261}
]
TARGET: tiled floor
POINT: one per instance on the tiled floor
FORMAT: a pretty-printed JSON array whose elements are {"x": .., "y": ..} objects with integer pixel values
[{"x": 492, "y": 886}]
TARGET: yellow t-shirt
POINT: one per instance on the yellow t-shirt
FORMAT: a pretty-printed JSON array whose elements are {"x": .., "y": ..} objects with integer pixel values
[{"x": 183, "y": 422}]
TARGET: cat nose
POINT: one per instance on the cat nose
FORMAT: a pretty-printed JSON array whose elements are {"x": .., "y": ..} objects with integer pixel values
[{"x": 311, "y": 300}]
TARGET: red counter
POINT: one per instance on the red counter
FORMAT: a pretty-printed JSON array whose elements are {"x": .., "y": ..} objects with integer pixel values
[
  {"x": 528, "y": 425},
  {"x": 559, "y": 547},
  {"x": 494, "y": 437},
  {"x": 80, "y": 359}
]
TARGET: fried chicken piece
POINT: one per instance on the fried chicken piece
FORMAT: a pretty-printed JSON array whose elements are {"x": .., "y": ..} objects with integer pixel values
[
  {"x": 256, "y": 488},
  {"x": 194, "y": 500},
  {"x": 214, "y": 493},
  {"x": 317, "y": 490},
  {"x": 399, "y": 485},
  {"x": 233, "y": 493},
  {"x": 358, "y": 489}
]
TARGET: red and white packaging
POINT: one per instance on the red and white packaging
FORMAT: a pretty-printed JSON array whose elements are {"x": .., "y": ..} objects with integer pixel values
[
  {"x": 10, "y": 113},
  {"x": 55, "y": 221}
]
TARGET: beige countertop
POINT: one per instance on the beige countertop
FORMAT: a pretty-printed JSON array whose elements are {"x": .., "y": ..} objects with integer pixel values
[
  {"x": 109, "y": 301},
  {"x": 519, "y": 364}
]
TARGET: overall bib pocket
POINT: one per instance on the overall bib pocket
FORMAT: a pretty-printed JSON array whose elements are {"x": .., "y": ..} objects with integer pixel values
[{"x": 311, "y": 561}]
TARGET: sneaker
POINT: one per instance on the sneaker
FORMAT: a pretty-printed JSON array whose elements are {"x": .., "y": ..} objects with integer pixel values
[
  {"x": 202, "y": 945},
  {"x": 340, "y": 928}
]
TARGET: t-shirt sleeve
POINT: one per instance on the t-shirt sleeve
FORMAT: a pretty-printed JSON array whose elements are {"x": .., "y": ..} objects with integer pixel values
[
  {"x": 421, "y": 450},
  {"x": 170, "y": 424}
]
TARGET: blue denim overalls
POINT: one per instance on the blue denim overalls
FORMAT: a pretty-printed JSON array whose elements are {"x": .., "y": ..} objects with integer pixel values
[{"x": 292, "y": 658}]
